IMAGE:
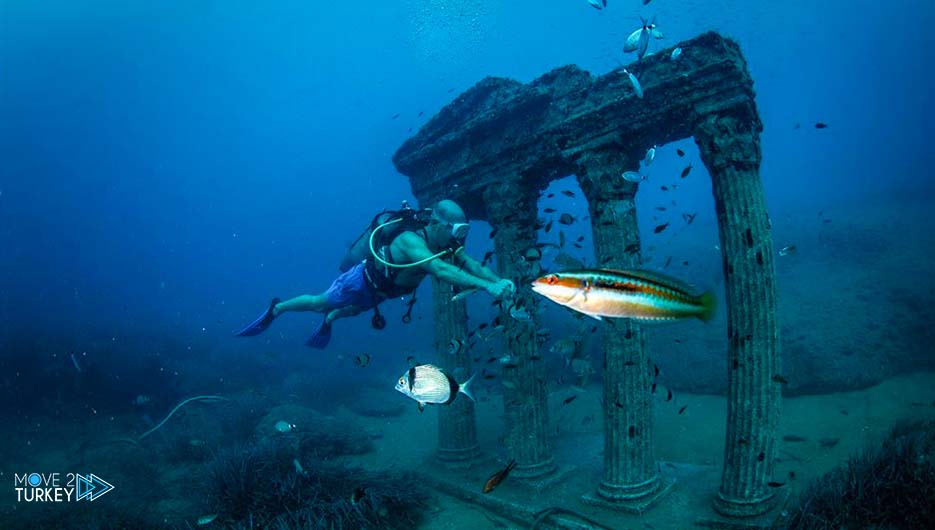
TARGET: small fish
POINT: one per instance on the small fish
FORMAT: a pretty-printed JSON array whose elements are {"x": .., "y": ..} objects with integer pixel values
[
  {"x": 689, "y": 218},
  {"x": 568, "y": 193},
  {"x": 566, "y": 219},
  {"x": 532, "y": 254},
  {"x": 599, "y": 5},
  {"x": 828, "y": 442},
  {"x": 298, "y": 467},
  {"x": 794, "y": 438},
  {"x": 493, "y": 233},
  {"x": 643, "y": 43},
  {"x": 429, "y": 384},
  {"x": 549, "y": 210},
  {"x": 618, "y": 404},
  {"x": 687, "y": 170},
  {"x": 488, "y": 377},
  {"x": 676, "y": 53},
  {"x": 821, "y": 125},
  {"x": 780, "y": 379},
  {"x": 141, "y": 400},
  {"x": 633, "y": 176},
  {"x": 669, "y": 396},
  {"x": 411, "y": 361},
  {"x": 561, "y": 239},
  {"x": 75, "y": 363},
  {"x": 636, "y": 84},
  {"x": 487, "y": 257},
  {"x": 660, "y": 228},
  {"x": 519, "y": 313},
  {"x": 775, "y": 484},
  {"x": 455, "y": 346},
  {"x": 395, "y": 116},
  {"x": 362, "y": 361},
  {"x": 207, "y": 519},
  {"x": 491, "y": 359},
  {"x": 650, "y": 156},
  {"x": 284, "y": 426},
  {"x": 498, "y": 477},
  {"x": 549, "y": 196},
  {"x": 787, "y": 250},
  {"x": 653, "y": 388},
  {"x": 681, "y": 410},
  {"x": 194, "y": 442},
  {"x": 632, "y": 248},
  {"x": 680, "y": 152},
  {"x": 761, "y": 457},
  {"x": 569, "y": 400}
]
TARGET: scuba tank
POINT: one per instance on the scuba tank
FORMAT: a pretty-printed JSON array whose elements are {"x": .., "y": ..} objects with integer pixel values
[{"x": 389, "y": 224}]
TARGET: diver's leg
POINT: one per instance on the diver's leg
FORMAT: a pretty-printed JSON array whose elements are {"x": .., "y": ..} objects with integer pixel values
[
  {"x": 305, "y": 302},
  {"x": 322, "y": 335},
  {"x": 343, "y": 312}
]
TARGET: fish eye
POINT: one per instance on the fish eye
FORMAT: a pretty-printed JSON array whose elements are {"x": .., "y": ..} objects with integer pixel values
[
  {"x": 552, "y": 279},
  {"x": 401, "y": 381}
]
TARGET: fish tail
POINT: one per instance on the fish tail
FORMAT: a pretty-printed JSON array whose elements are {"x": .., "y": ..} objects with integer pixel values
[
  {"x": 465, "y": 388},
  {"x": 708, "y": 306}
]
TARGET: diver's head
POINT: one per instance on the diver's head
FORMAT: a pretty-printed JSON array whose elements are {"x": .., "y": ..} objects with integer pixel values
[{"x": 448, "y": 227}]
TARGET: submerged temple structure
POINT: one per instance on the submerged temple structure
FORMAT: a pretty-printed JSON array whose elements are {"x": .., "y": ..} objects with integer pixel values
[{"x": 495, "y": 147}]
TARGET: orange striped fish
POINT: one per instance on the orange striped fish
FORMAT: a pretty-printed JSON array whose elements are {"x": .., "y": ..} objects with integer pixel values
[{"x": 640, "y": 295}]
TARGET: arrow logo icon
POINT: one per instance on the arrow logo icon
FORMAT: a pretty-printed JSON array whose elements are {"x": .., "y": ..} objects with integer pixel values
[{"x": 90, "y": 487}]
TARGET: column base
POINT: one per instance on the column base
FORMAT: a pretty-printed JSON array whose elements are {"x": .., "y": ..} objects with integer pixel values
[
  {"x": 534, "y": 471},
  {"x": 552, "y": 476},
  {"x": 458, "y": 458},
  {"x": 631, "y": 499},
  {"x": 733, "y": 515}
]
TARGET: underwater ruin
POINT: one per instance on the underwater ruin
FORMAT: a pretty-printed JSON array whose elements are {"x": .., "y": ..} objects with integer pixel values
[{"x": 496, "y": 146}]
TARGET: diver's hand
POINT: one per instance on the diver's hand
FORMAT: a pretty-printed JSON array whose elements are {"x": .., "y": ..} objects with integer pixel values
[{"x": 502, "y": 290}]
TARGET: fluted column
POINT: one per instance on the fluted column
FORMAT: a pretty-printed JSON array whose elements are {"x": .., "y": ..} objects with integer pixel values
[
  {"x": 511, "y": 209},
  {"x": 630, "y": 472},
  {"x": 457, "y": 428},
  {"x": 730, "y": 149}
]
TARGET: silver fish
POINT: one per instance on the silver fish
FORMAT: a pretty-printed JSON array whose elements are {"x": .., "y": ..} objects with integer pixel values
[
  {"x": 598, "y": 4},
  {"x": 520, "y": 313},
  {"x": 284, "y": 426},
  {"x": 650, "y": 156},
  {"x": 787, "y": 250},
  {"x": 207, "y": 519},
  {"x": 636, "y": 84},
  {"x": 633, "y": 176},
  {"x": 643, "y": 45},
  {"x": 429, "y": 384},
  {"x": 633, "y": 41},
  {"x": 676, "y": 53}
]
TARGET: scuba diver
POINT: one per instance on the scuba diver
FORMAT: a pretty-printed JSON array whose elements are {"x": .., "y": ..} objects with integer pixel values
[{"x": 389, "y": 260}]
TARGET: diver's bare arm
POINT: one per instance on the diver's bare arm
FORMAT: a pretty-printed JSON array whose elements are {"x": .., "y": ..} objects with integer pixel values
[
  {"x": 415, "y": 250},
  {"x": 474, "y": 267}
]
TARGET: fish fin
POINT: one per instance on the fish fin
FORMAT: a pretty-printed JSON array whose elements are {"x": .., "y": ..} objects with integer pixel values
[
  {"x": 708, "y": 306},
  {"x": 421, "y": 407},
  {"x": 465, "y": 388},
  {"x": 595, "y": 316}
]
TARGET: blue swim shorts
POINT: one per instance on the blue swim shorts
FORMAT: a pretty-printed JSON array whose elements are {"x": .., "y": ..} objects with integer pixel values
[{"x": 352, "y": 289}]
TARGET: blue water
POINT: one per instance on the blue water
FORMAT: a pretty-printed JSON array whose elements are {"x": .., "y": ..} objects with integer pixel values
[{"x": 167, "y": 167}]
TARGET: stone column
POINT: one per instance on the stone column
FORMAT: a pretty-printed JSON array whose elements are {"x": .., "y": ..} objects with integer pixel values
[
  {"x": 511, "y": 209},
  {"x": 457, "y": 429},
  {"x": 630, "y": 480},
  {"x": 730, "y": 149}
]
